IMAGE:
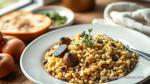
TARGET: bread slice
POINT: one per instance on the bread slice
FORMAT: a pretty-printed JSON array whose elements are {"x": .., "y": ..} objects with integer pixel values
[{"x": 23, "y": 21}]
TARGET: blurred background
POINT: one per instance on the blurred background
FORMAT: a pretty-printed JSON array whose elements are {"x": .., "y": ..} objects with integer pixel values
[
  {"x": 76, "y": 5},
  {"x": 82, "y": 12}
]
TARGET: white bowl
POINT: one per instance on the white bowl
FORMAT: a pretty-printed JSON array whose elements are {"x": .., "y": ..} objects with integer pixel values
[
  {"x": 31, "y": 59},
  {"x": 61, "y": 10}
]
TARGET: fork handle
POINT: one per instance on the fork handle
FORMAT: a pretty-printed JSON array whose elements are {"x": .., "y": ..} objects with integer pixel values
[{"x": 143, "y": 54}]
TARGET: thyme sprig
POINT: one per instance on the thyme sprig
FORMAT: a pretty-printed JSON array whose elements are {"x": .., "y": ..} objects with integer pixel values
[{"x": 87, "y": 38}]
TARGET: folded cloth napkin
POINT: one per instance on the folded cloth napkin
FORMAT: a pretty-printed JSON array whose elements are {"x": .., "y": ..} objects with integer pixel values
[{"x": 128, "y": 14}]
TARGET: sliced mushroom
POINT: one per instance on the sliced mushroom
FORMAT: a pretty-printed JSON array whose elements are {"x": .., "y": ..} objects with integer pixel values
[
  {"x": 70, "y": 59},
  {"x": 65, "y": 40},
  {"x": 60, "y": 51}
]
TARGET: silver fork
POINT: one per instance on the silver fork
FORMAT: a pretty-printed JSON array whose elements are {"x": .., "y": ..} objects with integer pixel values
[{"x": 141, "y": 53}]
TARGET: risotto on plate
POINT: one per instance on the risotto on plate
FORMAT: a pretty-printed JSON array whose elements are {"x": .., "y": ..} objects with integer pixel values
[{"x": 89, "y": 59}]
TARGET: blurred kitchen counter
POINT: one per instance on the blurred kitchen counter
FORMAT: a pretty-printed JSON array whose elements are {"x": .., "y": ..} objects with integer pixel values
[{"x": 80, "y": 18}]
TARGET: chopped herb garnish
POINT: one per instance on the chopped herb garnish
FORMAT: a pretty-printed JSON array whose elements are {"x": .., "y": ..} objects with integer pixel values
[
  {"x": 56, "y": 17},
  {"x": 90, "y": 30},
  {"x": 87, "y": 38},
  {"x": 83, "y": 34}
]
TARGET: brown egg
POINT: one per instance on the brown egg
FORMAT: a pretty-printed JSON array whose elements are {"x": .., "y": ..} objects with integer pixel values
[
  {"x": 14, "y": 47},
  {"x": 7, "y": 65}
]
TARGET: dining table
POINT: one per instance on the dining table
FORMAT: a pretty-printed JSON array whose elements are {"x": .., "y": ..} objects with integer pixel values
[{"x": 80, "y": 18}]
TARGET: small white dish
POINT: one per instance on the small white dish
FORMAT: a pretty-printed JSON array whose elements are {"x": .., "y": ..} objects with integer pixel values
[
  {"x": 63, "y": 11},
  {"x": 31, "y": 59}
]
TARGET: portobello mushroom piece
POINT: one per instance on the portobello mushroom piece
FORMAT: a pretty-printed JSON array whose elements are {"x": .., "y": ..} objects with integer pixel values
[
  {"x": 60, "y": 51},
  {"x": 70, "y": 59},
  {"x": 65, "y": 40}
]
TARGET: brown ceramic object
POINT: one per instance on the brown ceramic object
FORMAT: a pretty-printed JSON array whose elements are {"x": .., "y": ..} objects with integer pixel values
[{"x": 79, "y": 5}]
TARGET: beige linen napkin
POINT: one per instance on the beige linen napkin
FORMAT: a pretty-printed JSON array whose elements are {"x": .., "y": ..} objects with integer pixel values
[{"x": 129, "y": 15}]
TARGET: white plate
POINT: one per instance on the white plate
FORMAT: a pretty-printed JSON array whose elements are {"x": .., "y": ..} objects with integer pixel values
[
  {"x": 31, "y": 59},
  {"x": 63, "y": 11}
]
